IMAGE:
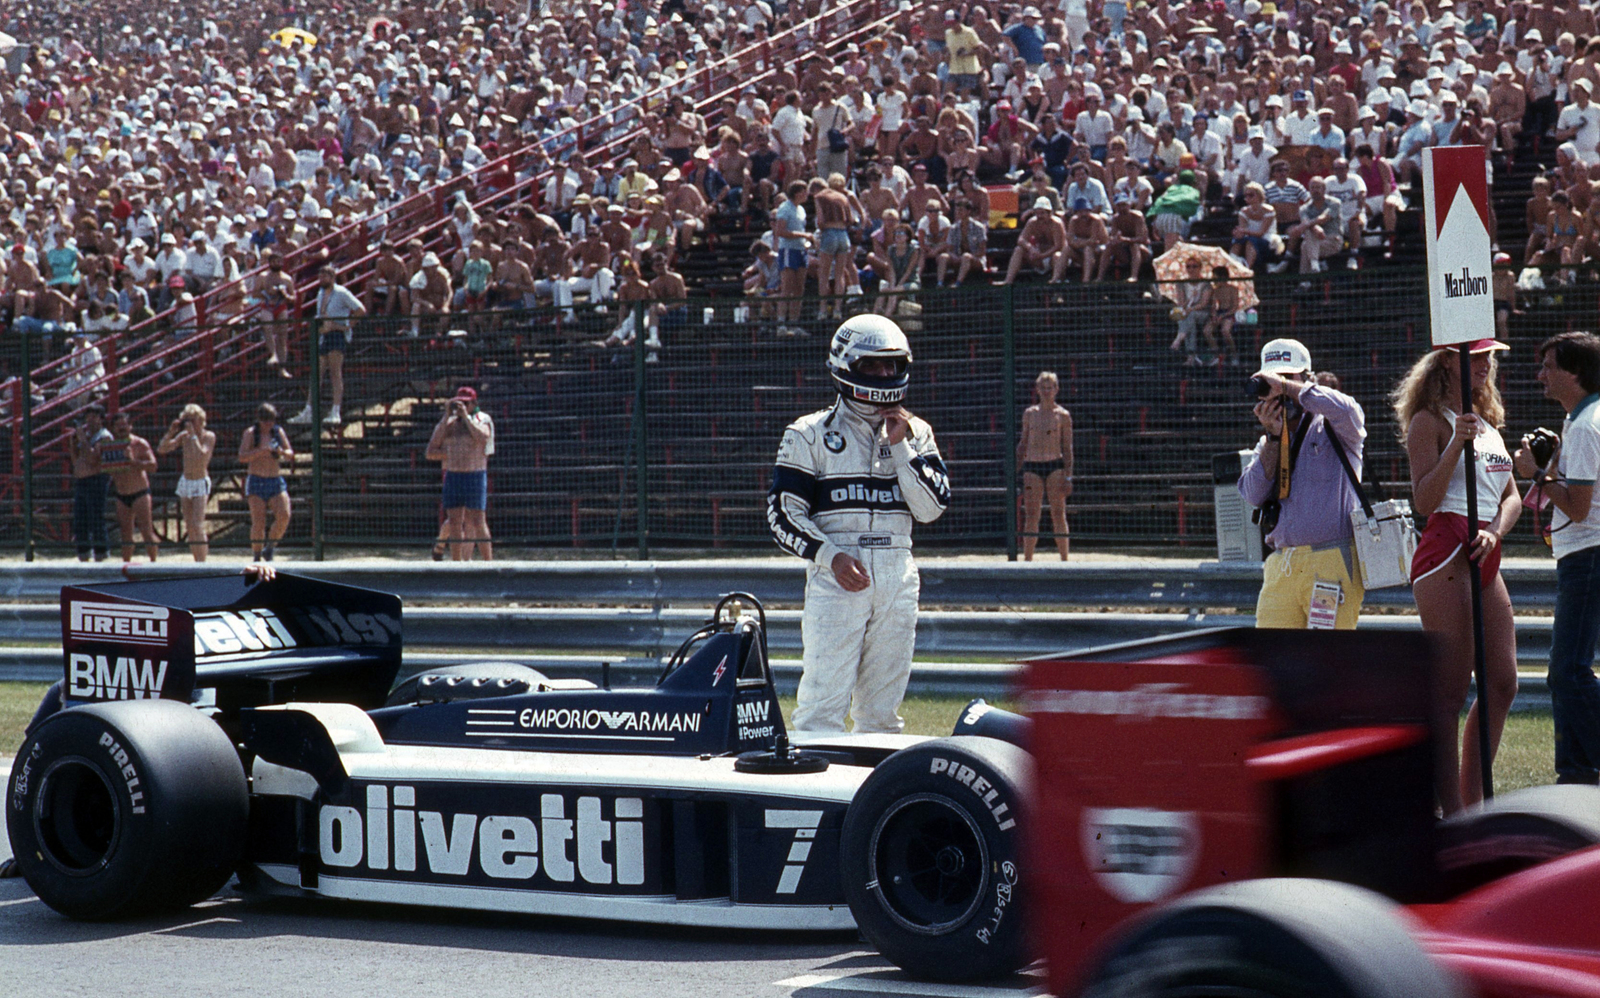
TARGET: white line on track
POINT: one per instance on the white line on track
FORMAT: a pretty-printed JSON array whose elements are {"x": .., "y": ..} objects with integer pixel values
[{"x": 875, "y": 984}]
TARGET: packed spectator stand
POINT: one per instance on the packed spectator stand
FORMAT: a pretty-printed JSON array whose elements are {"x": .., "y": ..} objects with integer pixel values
[{"x": 174, "y": 175}]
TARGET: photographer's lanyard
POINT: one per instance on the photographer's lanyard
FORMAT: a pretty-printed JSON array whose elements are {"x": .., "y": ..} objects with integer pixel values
[{"x": 1288, "y": 452}]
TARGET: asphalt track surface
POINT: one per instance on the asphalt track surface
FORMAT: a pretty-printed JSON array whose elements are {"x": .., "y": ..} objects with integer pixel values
[{"x": 236, "y": 945}]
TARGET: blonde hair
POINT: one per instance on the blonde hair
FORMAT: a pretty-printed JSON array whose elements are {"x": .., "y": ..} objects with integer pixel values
[
  {"x": 191, "y": 410},
  {"x": 1425, "y": 387},
  {"x": 1049, "y": 377}
]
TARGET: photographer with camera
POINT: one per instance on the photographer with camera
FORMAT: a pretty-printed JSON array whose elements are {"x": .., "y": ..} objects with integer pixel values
[
  {"x": 462, "y": 442},
  {"x": 1299, "y": 482},
  {"x": 1564, "y": 472},
  {"x": 188, "y": 433},
  {"x": 1435, "y": 438}
]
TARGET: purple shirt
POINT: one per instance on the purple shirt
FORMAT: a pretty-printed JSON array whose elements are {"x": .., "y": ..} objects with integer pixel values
[{"x": 1320, "y": 494}]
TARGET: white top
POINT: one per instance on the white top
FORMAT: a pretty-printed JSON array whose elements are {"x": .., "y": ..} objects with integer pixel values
[
  {"x": 1494, "y": 471},
  {"x": 1579, "y": 464}
]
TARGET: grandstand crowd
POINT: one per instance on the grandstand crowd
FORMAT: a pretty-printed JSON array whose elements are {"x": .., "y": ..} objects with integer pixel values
[{"x": 204, "y": 161}]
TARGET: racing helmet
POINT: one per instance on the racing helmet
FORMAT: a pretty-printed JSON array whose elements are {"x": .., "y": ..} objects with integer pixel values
[{"x": 858, "y": 338}]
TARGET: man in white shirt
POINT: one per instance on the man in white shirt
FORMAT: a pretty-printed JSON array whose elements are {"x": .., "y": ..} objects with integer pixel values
[
  {"x": 1351, "y": 191},
  {"x": 1580, "y": 122},
  {"x": 171, "y": 260},
  {"x": 1300, "y": 123},
  {"x": 1094, "y": 126},
  {"x": 1254, "y": 163},
  {"x": 204, "y": 264}
]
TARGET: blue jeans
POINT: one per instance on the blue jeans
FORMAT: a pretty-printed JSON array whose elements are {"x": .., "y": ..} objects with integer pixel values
[
  {"x": 89, "y": 515},
  {"x": 1574, "y": 690}
]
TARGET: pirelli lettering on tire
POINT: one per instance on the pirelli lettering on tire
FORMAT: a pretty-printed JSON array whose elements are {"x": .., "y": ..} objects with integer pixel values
[
  {"x": 982, "y": 788},
  {"x": 490, "y": 834}
]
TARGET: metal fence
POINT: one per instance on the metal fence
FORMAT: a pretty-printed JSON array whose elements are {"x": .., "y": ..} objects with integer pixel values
[{"x": 633, "y": 449}]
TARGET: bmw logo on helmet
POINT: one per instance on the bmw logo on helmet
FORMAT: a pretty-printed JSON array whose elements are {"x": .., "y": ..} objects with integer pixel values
[{"x": 867, "y": 336}]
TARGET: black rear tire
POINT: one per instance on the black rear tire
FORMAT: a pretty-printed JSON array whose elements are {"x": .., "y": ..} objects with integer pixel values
[
  {"x": 1514, "y": 831},
  {"x": 117, "y": 809},
  {"x": 932, "y": 855},
  {"x": 1272, "y": 939}
]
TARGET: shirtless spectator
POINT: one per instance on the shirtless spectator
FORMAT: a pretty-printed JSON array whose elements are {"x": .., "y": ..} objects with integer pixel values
[
  {"x": 278, "y": 296},
  {"x": 430, "y": 295},
  {"x": 671, "y": 310},
  {"x": 261, "y": 449},
  {"x": 687, "y": 208},
  {"x": 388, "y": 294},
  {"x": 835, "y": 252},
  {"x": 1086, "y": 240},
  {"x": 23, "y": 282},
  {"x": 463, "y": 440},
  {"x": 130, "y": 460},
  {"x": 1127, "y": 239},
  {"x": 1041, "y": 245},
  {"x": 1044, "y": 456},
  {"x": 188, "y": 433}
]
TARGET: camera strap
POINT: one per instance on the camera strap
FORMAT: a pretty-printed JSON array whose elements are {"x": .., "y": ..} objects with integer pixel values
[
  {"x": 1288, "y": 453},
  {"x": 1344, "y": 462}
]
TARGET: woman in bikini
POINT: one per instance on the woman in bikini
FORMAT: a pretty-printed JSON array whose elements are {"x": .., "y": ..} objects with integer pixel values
[
  {"x": 1045, "y": 456},
  {"x": 129, "y": 459}
]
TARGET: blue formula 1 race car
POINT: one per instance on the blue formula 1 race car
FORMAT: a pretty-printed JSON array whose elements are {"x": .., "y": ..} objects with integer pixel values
[{"x": 212, "y": 727}]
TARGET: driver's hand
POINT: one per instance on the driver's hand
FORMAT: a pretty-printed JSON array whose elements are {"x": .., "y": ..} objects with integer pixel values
[
  {"x": 850, "y": 574},
  {"x": 896, "y": 424}
]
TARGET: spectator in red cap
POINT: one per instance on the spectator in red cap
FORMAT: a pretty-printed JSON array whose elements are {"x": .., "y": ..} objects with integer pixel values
[{"x": 462, "y": 442}]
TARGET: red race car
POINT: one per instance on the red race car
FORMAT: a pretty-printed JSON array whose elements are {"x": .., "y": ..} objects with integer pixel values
[{"x": 1250, "y": 813}]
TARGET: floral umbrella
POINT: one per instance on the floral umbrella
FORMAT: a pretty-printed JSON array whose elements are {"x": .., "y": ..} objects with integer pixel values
[{"x": 1172, "y": 266}]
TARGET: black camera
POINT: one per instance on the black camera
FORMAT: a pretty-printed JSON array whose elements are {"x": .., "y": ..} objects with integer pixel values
[
  {"x": 1542, "y": 445},
  {"x": 1259, "y": 387}
]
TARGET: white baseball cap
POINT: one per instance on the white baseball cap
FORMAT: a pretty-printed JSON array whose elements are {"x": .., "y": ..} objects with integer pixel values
[{"x": 1285, "y": 356}]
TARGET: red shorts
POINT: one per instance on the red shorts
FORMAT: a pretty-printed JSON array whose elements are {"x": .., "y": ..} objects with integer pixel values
[{"x": 1440, "y": 540}]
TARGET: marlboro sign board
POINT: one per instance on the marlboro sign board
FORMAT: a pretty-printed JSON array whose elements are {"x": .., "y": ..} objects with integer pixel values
[{"x": 1455, "y": 191}]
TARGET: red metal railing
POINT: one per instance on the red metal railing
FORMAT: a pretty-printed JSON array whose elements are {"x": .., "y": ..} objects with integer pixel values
[{"x": 147, "y": 364}]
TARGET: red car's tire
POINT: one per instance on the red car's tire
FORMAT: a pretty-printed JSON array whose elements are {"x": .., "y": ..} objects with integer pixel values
[
  {"x": 1514, "y": 831},
  {"x": 1272, "y": 939},
  {"x": 116, "y": 809},
  {"x": 932, "y": 856}
]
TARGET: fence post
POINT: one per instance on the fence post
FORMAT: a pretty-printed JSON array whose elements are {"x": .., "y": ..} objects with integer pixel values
[
  {"x": 25, "y": 403},
  {"x": 641, "y": 434},
  {"x": 1008, "y": 397},
  {"x": 315, "y": 402}
]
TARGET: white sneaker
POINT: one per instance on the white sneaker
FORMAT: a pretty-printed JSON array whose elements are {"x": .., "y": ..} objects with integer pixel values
[
  {"x": 304, "y": 417},
  {"x": 333, "y": 416},
  {"x": 653, "y": 343}
]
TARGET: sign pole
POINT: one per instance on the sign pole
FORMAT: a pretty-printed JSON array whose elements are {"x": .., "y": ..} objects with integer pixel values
[
  {"x": 1460, "y": 311},
  {"x": 1479, "y": 672}
]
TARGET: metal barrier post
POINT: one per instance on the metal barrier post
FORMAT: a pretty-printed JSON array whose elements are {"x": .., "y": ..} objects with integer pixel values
[
  {"x": 26, "y": 404},
  {"x": 1008, "y": 396},
  {"x": 641, "y": 433},
  {"x": 316, "y": 438}
]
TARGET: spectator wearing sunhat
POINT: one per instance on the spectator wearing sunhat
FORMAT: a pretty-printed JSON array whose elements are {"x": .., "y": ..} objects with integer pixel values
[{"x": 1301, "y": 122}]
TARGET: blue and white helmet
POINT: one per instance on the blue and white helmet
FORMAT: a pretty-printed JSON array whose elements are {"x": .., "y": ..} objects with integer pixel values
[{"x": 863, "y": 336}]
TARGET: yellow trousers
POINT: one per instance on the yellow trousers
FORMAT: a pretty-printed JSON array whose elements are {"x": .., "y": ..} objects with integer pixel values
[{"x": 1290, "y": 582}]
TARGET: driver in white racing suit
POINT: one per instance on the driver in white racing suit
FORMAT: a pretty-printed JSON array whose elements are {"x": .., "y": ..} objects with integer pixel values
[{"x": 850, "y": 480}]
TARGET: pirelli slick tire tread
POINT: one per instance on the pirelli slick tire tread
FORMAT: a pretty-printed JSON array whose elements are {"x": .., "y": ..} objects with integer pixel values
[
  {"x": 118, "y": 809},
  {"x": 1272, "y": 939},
  {"x": 933, "y": 859},
  {"x": 1514, "y": 831},
  {"x": 406, "y": 691}
]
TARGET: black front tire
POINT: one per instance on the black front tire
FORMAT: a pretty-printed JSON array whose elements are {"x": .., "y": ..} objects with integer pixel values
[
  {"x": 1272, "y": 939},
  {"x": 117, "y": 809},
  {"x": 932, "y": 857},
  {"x": 1514, "y": 831}
]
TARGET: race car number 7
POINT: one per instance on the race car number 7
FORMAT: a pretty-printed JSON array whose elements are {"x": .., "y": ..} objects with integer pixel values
[{"x": 805, "y": 825}]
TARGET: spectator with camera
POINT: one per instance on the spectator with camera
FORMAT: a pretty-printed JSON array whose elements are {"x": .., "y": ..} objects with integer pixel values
[
  {"x": 462, "y": 443},
  {"x": 1435, "y": 437},
  {"x": 1302, "y": 479},
  {"x": 1564, "y": 471}
]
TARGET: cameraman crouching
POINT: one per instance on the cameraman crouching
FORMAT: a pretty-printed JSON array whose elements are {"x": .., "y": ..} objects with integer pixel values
[
  {"x": 1569, "y": 370},
  {"x": 1298, "y": 483}
]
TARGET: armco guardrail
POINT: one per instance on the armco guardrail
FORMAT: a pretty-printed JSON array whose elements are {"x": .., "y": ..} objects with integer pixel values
[{"x": 946, "y": 582}]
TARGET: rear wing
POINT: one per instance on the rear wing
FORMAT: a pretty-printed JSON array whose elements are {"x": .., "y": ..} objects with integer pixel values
[{"x": 254, "y": 642}]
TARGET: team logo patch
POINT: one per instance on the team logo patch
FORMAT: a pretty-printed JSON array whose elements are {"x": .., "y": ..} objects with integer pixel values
[
  {"x": 833, "y": 440},
  {"x": 1140, "y": 854}
]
